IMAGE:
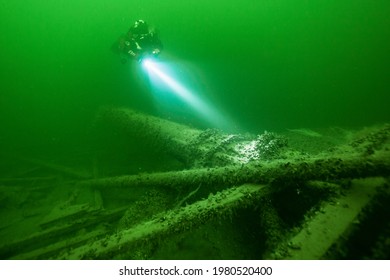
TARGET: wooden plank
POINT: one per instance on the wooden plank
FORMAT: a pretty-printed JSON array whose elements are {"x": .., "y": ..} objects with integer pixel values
[
  {"x": 278, "y": 172},
  {"x": 52, "y": 235},
  {"x": 170, "y": 223},
  {"x": 329, "y": 224}
]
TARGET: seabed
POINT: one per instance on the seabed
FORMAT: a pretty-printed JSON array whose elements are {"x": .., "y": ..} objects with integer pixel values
[{"x": 162, "y": 190}]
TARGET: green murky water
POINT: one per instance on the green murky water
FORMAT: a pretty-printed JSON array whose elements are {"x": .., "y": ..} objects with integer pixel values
[{"x": 265, "y": 65}]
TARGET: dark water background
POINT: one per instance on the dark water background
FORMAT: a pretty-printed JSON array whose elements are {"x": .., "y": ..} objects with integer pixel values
[{"x": 269, "y": 65}]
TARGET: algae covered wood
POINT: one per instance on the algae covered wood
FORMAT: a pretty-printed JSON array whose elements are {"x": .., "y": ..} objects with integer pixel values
[
  {"x": 218, "y": 159},
  {"x": 50, "y": 240},
  {"x": 170, "y": 223},
  {"x": 280, "y": 171},
  {"x": 330, "y": 224},
  {"x": 216, "y": 163},
  {"x": 193, "y": 147},
  {"x": 150, "y": 131}
]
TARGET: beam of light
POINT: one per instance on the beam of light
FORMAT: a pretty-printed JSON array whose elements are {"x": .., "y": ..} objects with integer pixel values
[{"x": 166, "y": 75}]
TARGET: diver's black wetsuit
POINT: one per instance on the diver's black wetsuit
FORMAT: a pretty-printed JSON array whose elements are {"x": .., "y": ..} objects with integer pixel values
[{"x": 140, "y": 41}]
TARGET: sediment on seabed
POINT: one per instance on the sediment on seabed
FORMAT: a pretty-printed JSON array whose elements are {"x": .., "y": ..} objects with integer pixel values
[{"x": 269, "y": 196}]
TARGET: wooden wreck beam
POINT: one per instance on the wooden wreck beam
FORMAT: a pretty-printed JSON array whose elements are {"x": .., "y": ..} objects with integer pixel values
[
  {"x": 47, "y": 242},
  {"x": 192, "y": 147},
  {"x": 153, "y": 132},
  {"x": 279, "y": 172},
  {"x": 170, "y": 223},
  {"x": 330, "y": 224}
]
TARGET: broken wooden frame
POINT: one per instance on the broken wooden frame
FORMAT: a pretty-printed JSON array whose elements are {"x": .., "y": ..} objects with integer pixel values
[{"x": 235, "y": 187}]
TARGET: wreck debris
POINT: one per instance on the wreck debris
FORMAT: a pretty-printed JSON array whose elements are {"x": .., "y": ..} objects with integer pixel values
[
  {"x": 170, "y": 223},
  {"x": 330, "y": 224},
  {"x": 278, "y": 172},
  {"x": 51, "y": 240},
  {"x": 193, "y": 147},
  {"x": 227, "y": 175}
]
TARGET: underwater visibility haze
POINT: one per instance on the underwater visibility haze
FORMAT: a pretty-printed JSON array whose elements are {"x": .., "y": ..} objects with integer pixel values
[{"x": 255, "y": 66}]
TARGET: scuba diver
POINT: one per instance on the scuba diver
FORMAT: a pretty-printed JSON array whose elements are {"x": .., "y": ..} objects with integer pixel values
[{"x": 139, "y": 42}]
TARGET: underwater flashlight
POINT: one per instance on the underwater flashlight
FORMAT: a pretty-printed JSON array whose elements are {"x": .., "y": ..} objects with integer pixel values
[
  {"x": 178, "y": 89},
  {"x": 163, "y": 75}
]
